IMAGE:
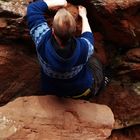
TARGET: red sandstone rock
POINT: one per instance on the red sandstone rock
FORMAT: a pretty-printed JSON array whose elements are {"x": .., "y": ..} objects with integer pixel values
[
  {"x": 133, "y": 55},
  {"x": 129, "y": 69},
  {"x": 19, "y": 72},
  {"x": 131, "y": 133},
  {"x": 130, "y": 64},
  {"x": 124, "y": 102},
  {"x": 13, "y": 24},
  {"x": 118, "y": 20},
  {"x": 50, "y": 117},
  {"x": 100, "y": 49}
]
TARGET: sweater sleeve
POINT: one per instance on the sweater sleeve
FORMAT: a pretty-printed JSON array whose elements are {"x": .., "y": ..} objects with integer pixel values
[
  {"x": 36, "y": 21},
  {"x": 87, "y": 38}
]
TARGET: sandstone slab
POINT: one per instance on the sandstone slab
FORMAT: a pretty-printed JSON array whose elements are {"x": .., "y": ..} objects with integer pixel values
[{"x": 50, "y": 117}]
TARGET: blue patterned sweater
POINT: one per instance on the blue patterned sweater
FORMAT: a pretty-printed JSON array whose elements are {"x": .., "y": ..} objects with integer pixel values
[{"x": 59, "y": 76}]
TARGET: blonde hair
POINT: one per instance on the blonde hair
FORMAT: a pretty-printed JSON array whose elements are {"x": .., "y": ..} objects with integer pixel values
[{"x": 64, "y": 25}]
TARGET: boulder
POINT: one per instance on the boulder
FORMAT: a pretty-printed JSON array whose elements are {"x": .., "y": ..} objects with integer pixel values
[{"x": 50, "y": 117}]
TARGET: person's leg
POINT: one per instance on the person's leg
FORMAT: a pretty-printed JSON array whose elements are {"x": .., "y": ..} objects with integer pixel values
[{"x": 97, "y": 69}]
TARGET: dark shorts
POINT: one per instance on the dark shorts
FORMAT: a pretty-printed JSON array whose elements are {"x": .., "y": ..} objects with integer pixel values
[{"x": 97, "y": 70}]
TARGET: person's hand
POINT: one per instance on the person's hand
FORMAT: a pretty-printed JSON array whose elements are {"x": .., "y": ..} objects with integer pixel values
[
  {"x": 60, "y": 2},
  {"x": 53, "y": 3},
  {"x": 82, "y": 11}
]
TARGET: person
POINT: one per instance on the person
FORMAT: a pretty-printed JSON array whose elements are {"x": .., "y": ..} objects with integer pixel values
[{"x": 64, "y": 59}]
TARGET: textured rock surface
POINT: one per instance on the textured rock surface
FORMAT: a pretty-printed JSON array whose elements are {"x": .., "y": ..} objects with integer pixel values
[
  {"x": 118, "y": 20},
  {"x": 124, "y": 102},
  {"x": 19, "y": 72},
  {"x": 129, "y": 64},
  {"x": 100, "y": 50},
  {"x": 13, "y": 23},
  {"x": 49, "y": 117},
  {"x": 133, "y": 55},
  {"x": 130, "y": 133}
]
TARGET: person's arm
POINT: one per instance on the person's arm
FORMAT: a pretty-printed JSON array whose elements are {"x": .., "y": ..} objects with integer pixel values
[
  {"x": 36, "y": 21},
  {"x": 87, "y": 35},
  {"x": 85, "y": 23}
]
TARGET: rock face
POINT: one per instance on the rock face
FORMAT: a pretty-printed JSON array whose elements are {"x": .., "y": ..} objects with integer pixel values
[
  {"x": 118, "y": 20},
  {"x": 12, "y": 20},
  {"x": 131, "y": 133},
  {"x": 124, "y": 103},
  {"x": 13, "y": 23},
  {"x": 50, "y": 117},
  {"x": 128, "y": 65},
  {"x": 19, "y": 72}
]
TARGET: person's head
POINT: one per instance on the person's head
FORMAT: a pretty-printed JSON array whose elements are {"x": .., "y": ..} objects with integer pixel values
[{"x": 64, "y": 25}]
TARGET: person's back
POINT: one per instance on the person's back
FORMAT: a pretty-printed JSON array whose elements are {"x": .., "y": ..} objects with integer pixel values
[{"x": 63, "y": 58}]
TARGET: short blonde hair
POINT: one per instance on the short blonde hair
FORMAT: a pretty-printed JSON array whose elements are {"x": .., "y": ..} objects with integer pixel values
[{"x": 64, "y": 24}]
